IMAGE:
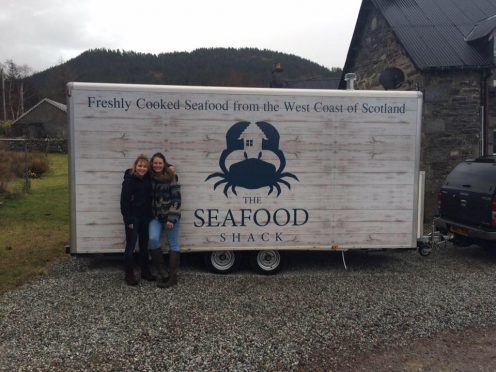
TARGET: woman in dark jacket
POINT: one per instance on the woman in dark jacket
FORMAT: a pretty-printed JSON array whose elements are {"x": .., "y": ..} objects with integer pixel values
[
  {"x": 137, "y": 213},
  {"x": 166, "y": 210}
]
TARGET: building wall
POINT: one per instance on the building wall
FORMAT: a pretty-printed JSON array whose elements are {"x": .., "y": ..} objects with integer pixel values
[
  {"x": 44, "y": 121},
  {"x": 377, "y": 50},
  {"x": 451, "y": 123},
  {"x": 491, "y": 117},
  {"x": 451, "y": 119}
]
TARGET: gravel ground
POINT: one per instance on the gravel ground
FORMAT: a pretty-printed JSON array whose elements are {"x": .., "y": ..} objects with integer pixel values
[{"x": 314, "y": 315}]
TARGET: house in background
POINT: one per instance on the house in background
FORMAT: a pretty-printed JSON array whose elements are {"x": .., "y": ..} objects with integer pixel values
[
  {"x": 446, "y": 49},
  {"x": 46, "y": 119}
]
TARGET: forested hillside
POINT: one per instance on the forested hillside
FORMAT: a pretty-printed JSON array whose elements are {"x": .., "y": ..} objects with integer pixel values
[{"x": 247, "y": 67}]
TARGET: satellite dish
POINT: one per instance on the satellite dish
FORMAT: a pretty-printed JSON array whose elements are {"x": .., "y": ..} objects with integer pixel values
[{"x": 391, "y": 78}]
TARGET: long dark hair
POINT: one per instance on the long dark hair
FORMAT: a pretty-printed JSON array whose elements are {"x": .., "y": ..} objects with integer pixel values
[{"x": 167, "y": 174}]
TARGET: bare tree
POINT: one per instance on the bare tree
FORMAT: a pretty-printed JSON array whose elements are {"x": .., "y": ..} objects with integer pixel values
[
  {"x": 3, "y": 92},
  {"x": 14, "y": 93},
  {"x": 24, "y": 72}
]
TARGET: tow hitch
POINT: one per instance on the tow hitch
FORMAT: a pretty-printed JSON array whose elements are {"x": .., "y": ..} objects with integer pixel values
[{"x": 434, "y": 239}]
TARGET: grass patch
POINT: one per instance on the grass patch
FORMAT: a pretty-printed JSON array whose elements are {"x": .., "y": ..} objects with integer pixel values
[{"x": 34, "y": 228}]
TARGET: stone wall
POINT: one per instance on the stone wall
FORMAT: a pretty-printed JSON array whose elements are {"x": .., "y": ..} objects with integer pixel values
[
  {"x": 491, "y": 116},
  {"x": 451, "y": 110},
  {"x": 34, "y": 145},
  {"x": 451, "y": 124},
  {"x": 377, "y": 50}
]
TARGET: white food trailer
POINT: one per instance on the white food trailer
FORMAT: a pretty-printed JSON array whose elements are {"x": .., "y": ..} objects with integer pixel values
[{"x": 262, "y": 170}]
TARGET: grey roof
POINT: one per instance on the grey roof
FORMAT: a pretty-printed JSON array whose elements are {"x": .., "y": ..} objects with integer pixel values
[
  {"x": 482, "y": 29},
  {"x": 438, "y": 33},
  {"x": 59, "y": 105},
  {"x": 56, "y": 104}
]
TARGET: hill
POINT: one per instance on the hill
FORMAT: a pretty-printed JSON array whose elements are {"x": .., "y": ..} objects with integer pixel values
[{"x": 247, "y": 67}]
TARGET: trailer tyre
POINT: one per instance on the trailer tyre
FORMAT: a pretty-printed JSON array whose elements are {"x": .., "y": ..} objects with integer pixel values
[
  {"x": 424, "y": 249},
  {"x": 267, "y": 262},
  {"x": 222, "y": 262}
]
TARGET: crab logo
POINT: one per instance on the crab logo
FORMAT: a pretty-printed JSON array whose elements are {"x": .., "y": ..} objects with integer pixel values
[{"x": 252, "y": 172}]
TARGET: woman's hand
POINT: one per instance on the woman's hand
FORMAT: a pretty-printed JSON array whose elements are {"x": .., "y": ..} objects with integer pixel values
[
  {"x": 169, "y": 225},
  {"x": 130, "y": 226}
]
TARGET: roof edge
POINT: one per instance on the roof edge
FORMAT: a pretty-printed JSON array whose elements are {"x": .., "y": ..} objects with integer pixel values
[{"x": 56, "y": 104}]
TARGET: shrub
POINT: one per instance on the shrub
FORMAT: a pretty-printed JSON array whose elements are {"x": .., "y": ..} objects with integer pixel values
[
  {"x": 13, "y": 164},
  {"x": 5, "y": 127},
  {"x": 6, "y": 174},
  {"x": 38, "y": 166}
]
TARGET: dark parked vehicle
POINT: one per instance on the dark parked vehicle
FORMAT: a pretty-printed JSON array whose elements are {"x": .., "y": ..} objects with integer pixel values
[{"x": 467, "y": 203}]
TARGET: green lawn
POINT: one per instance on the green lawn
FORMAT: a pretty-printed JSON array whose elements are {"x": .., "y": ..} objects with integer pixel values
[{"x": 34, "y": 228}]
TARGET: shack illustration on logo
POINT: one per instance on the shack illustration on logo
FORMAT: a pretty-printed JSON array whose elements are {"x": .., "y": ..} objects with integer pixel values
[{"x": 252, "y": 172}]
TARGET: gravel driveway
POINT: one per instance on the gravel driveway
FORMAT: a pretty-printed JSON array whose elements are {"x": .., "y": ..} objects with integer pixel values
[{"x": 314, "y": 315}]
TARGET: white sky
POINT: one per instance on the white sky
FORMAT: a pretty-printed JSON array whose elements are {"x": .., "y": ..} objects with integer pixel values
[{"x": 44, "y": 33}]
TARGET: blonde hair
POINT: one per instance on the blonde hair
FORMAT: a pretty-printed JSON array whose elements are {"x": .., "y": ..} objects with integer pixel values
[{"x": 143, "y": 158}]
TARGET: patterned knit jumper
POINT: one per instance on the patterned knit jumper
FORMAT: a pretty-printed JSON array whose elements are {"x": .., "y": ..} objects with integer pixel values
[{"x": 166, "y": 199}]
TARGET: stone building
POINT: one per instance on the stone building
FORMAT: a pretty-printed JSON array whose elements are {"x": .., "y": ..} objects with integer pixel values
[
  {"x": 46, "y": 119},
  {"x": 445, "y": 48}
]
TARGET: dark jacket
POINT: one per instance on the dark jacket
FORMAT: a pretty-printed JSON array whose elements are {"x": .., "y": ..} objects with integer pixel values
[
  {"x": 136, "y": 198},
  {"x": 166, "y": 199}
]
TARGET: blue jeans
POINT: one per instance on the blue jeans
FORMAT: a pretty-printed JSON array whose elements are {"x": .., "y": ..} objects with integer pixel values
[{"x": 156, "y": 230}]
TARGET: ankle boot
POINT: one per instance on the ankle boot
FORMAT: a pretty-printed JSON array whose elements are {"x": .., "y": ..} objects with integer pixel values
[
  {"x": 146, "y": 274},
  {"x": 130, "y": 278},
  {"x": 159, "y": 263},
  {"x": 173, "y": 267}
]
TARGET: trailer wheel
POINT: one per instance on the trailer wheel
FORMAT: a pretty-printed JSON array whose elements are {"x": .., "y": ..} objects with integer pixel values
[
  {"x": 267, "y": 262},
  {"x": 222, "y": 262},
  {"x": 423, "y": 249}
]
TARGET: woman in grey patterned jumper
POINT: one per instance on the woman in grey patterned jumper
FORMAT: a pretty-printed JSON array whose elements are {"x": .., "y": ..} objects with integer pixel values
[{"x": 166, "y": 209}]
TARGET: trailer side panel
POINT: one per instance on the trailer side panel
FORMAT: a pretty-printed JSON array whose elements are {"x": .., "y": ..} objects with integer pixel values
[{"x": 259, "y": 168}]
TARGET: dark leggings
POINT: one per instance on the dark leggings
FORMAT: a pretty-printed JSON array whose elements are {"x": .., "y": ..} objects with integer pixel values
[{"x": 138, "y": 232}]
